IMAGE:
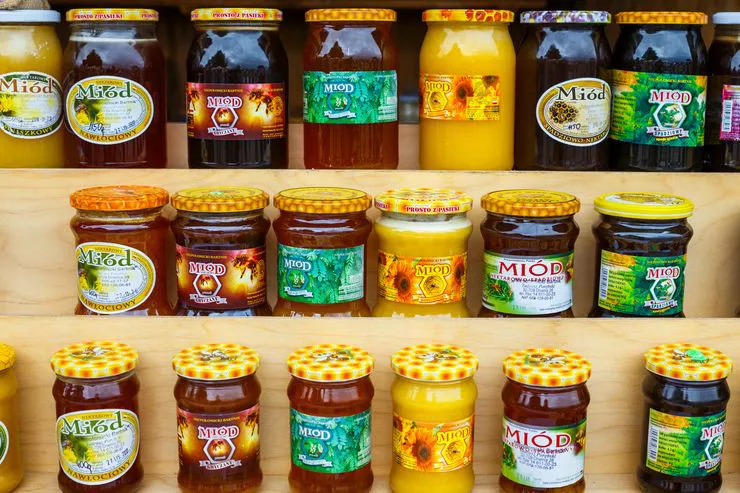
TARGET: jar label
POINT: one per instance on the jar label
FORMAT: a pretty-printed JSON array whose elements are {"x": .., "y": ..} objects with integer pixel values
[
  {"x": 658, "y": 109},
  {"x": 576, "y": 112},
  {"x": 236, "y": 111},
  {"x": 113, "y": 278},
  {"x": 350, "y": 97},
  {"x": 4, "y": 441},
  {"x": 218, "y": 442},
  {"x": 685, "y": 446},
  {"x": 109, "y": 110},
  {"x": 30, "y": 104},
  {"x": 543, "y": 457},
  {"x": 97, "y": 446},
  {"x": 321, "y": 276},
  {"x": 422, "y": 280},
  {"x": 642, "y": 286},
  {"x": 730, "y": 123},
  {"x": 221, "y": 279},
  {"x": 520, "y": 285},
  {"x": 432, "y": 447},
  {"x": 330, "y": 445},
  {"x": 460, "y": 97}
]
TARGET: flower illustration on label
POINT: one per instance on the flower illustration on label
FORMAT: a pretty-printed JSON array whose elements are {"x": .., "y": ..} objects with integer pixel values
[
  {"x": 30, "y": 104},
  {"x": 576, "y": 112},
  {"x": 422, "y": 280},
  {"x": 432, "y": 447},
  {"x": 669, "y": 114},
  {"x": 460, "y": 97}
]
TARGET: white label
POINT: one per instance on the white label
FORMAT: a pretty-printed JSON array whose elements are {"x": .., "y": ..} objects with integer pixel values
[{"x": 30, "y": 104}]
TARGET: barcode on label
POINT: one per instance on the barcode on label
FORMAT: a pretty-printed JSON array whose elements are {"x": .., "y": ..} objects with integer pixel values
[
  {"x": 652, "y": 447},
  {"x": 603, "y": 282},
  {"x": 727, "y": 115}
]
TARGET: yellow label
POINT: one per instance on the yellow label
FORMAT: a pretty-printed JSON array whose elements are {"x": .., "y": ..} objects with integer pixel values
[
  {"x": 432, "y": 447},
  {"x": 460, "y": 97},
  {"x": 422, "y": 280}
]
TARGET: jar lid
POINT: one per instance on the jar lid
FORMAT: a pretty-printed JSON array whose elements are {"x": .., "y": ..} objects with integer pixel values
[
  {"x": 688, "y": 362},
  {"x": 7, "y": 357},
  {"x": 531, "y": 203},
  {"x": 119, "y": 198},
  {"x": 236, "y": 15},
  {"x": 467, "y": 15},
  {"x": 566, "y": 17},
  {"x": 216, "y": 362},
  {"x": 30, "y": 17},
  {"x": 726, "y": 18},
  {"x": 330, "y": 363},
  {"x": 373, "y": 15},
  {"x": 698, "y": 18},
  {"x": 644, "y": 205},
  {"x": 220, "y": 199},
  {"x": 435, "y": 363},
  {"x": 547, "y": 367},
  {"x": 424, "y": 201},
  {"x": 112, "y": 15},
  {"x": 94, "y": 359},
  {"x": 323, "y": 200}
]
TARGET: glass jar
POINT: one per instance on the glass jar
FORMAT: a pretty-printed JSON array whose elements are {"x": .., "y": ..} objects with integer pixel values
[
  {"x": 31, "y": 108},
  {"x": 434, "y": 396},
  {"x": 686, "y": 395},
  {"x": 218, "y": 408},
  {"x": 330, "y": 396},
  {"x": 642, "y": 241},
  {"x": 563, "y": 100},
  {"x": 115, "y": 90},
  {"x": 659, "y": 89},
  {"x": 11, "y": 463},
  {"x": 544, "y": 430},
  {"x": 221, "y": 264},
  {"x": 237, "y": 91},
  {"x": 423, "y": 253},
  {"x": 121, "y": 239},
  {"x": 322, "y": 238},
  {"x": 529, "y": 238},
  {"x": 467, "y": 66},
  {"x": 350, "y": 90},
  {"x": 97, "y": 407}
]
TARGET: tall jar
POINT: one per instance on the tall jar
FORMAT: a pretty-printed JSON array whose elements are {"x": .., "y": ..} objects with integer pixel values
[
  {"x": 467, "y": 65},
  {"x": 96, "y": 392},
  {"x": 330, "y": 395},
  {"x": 423, "y": 253},
  {"x": 31, "y": 107},
  {"x": 322, "y": 238},
  {"x": 221, "y": 261},
  {"x": 237, "y": 92},
  {"x": 434, "y": 394},
  {"x": 563, "y": 98},
  {"x": 115, "y": 90},
  {"x": 11, "y": 463},
  {"x": 121, "y": 252},
  {"x": 659, "y": 88},
  {"x": 350, "y": 90}
]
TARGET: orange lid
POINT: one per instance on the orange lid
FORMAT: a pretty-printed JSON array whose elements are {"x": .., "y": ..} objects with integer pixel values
[
  {"x": 373, "y": 15},
  {"x": 323, "y": 200},
  {"x": 697, "y": 18},
  {"x": 330, "y": 363},
  {"x": 236, "y": 15},
  {"x": 216, "y": 362},
  {"x": 688, "y": 362},
  {"x": 119, "y": 198},
  {"x": 467, "y": 15},
  {"x": 94, "y": 359},
  {"x": 112, "y": 15},
  {"x": 531, "y": 203},
  {"x": 424, "y": 201},
  {"x": 547, "y": 367},
  {"x": 220, "y": 199},
  {"x": 434, "y": 363}
]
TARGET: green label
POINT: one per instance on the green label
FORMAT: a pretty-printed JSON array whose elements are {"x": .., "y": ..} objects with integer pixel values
[
  {"x": 4, "y": 441},
  {"x": 321, "y": 276},
  {"x": 658, "y": 109},
  {"x": 684, "y": 446},
  {"x": 330, "y": 445},
  {"x": 350, "y": 97},
  {"x": 642, "y": 286}
]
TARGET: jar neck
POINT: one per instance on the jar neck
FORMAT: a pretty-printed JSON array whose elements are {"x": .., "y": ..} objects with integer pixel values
[
  {"x": 127, "y": 217},
  {"x": 469, "y": 26},
  {"x": 221, "y": 218},
  {"x": 727, "y": 31},
  {"x": 678, "y": 28},
  {"x": 645, "y": 223},
  {"x": 425, "y": 218},
  {"x": 338, "y": 25},
  {"x": 114, "y": 30},
  {"x": 236, "y": 26},
  {"x": 434, "y": 383},
  {"x": 96, "y": 381}
]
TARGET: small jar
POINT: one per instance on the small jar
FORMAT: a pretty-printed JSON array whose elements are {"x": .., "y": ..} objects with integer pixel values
[
  {"x": 221, "y": 264},
  {"x": 659, "y": 89},
  {"x": 11, "y": 463},
  {"x": 529, "y": 238},
  {"x": 330, "y": 396},
  {"x": 563, "y": 95},
  {"x": 121, "y": 239},
  {"x": 686, "y": 396},
  {"x": 544, "y": 431},
  {"x": 423, "y": 253},
  {"x": 434, "y": 396},
  {"x": 642, "y": 241},
  {"x": 322, "y": 238},
  {"x": 97, "y": 407},
  {"x": 218, "y": 425},
  {"x": 350, "y": 90}
]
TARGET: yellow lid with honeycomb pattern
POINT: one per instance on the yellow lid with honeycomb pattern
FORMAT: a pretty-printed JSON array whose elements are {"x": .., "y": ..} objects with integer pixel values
[
  {"x": 688, "y": 362},
  {"x": 330, "y": 363},
  {"x": 94, "y": 359},
  {"x": 547, "y": 367},
  {"x": 434, "y": 363},
  {"x": 216, "y": 362},
  {"x": 323, "y": 200}
]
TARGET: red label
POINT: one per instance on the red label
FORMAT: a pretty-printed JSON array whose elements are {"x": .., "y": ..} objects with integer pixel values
[
  {"x": 221, "y": 279},
  {"x": 236, "y": 111}
]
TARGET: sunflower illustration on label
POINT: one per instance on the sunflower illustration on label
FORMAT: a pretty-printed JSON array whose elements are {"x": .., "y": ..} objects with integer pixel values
[
  {"x": 460, "y": 97},
  {"x": 109, "y": 110},
  {"x": 422, "y": 280},
  {"x": 432, "y": 447},
  {"x": 30, "y": 104}
]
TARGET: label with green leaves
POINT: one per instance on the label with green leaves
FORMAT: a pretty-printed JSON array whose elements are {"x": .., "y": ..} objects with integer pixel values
[
  {"x": 685, "y": 446},
  {"x": 350, "y": 97},
  {"x": 641, "y": 286},
  {"x": 4, "y": 441},
  {"x": 330, "y": 445},
  {"x": 321, "y": 276},
  {"x": 658, "y": 109}
]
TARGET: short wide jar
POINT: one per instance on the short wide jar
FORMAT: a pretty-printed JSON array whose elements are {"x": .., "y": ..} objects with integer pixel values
[{"x": 11, "y": 463}]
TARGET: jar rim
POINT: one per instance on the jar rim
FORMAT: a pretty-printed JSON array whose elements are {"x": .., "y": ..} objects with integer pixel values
[
  {"x": 351, "y": 15},
  {"x": 112, "y": 15}
]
